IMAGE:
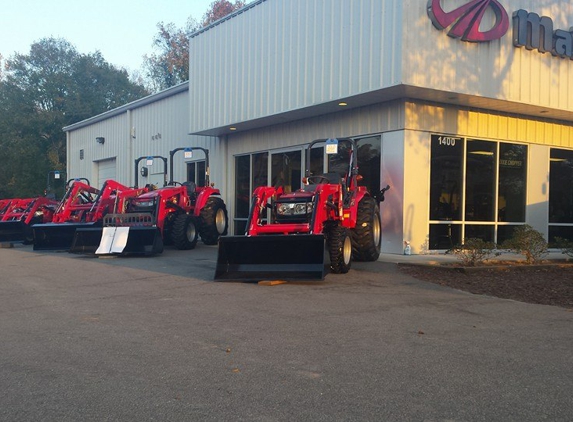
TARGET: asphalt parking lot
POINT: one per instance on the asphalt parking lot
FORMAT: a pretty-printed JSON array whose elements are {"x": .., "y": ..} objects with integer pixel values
[{"x": 140, "y": 339}]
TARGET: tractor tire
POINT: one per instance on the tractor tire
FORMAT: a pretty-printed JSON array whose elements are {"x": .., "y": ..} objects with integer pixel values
[
  {"x": 340, "y": 249},
  {"x": 214, "y": 221},
  {"x": 367, "y": 235},
  {"x": 184, "y": 232}
]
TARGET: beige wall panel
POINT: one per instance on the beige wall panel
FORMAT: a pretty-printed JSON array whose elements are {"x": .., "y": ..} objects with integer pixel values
[
  {"x": 395, "y": 222},
  {"x": 537, "y": 211},
  {"x": 494, "y": 69},
  {"x": 463, "y": 122},
  {"x": 416, "y": 190}
]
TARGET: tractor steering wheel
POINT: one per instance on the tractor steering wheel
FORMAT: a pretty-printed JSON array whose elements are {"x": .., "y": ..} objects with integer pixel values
[{"x": 319, "y": 179}]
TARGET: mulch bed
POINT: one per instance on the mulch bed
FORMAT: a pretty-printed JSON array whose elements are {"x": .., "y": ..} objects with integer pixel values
[{"x": 549, "y": 284}]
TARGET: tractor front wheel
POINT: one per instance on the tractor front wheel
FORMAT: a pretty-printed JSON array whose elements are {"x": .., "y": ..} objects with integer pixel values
[
  {"x": 214, "y": 221},
  {"x": 367, "y": 235},
  {"x": 184, "y": 232},
  {"x": 340, "y": 249}
]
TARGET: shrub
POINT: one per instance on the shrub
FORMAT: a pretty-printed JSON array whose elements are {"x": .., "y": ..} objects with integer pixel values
[
  {"x": 474, "y": 251},
  {"x": 565, "y": 245},
  {"x": 528, "y": 242}
]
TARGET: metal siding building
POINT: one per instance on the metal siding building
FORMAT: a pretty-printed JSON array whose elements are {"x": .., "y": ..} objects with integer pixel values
[
  {"x": 152, "y": 126},
  {"x": 473, "y": 137},
  {"x": 277, "y": 70}
]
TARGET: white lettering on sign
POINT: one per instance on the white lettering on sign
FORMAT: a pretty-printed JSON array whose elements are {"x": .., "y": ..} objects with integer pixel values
[{"x": 447, "y": 141}]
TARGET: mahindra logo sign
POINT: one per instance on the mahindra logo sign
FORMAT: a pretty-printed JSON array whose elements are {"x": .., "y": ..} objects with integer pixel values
[{"x": 465, "y": 21}]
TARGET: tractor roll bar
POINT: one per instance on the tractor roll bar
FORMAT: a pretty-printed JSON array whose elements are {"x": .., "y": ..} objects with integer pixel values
[
  {"x": 172, "y": 153},
  {"x": 136, "y": 185},
  {"x": 353, "y": 170}
]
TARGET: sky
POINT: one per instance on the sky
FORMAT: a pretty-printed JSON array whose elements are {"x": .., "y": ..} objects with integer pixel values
[{"x": 122, "y": 30}]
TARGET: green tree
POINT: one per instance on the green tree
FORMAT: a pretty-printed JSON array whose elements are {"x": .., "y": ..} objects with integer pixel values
[
  {"x": 169, "y": 64},
  {"x": 41, "y": 92}
]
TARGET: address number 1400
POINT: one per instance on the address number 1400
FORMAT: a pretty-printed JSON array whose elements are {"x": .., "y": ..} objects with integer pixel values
[{"x": 447, "y": 141}]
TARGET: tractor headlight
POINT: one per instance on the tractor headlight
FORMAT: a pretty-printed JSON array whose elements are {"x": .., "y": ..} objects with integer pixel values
[{"x": 294, "y": 208}]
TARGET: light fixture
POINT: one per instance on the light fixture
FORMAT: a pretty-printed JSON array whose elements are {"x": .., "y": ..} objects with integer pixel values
[
  {"x": 232, "y": 128},
  {"x": 342, "y": 104},
  {"x": 558, "y": 160},
  {"x": 481, "y": 153},
  {"x": 100, "y": 140}
]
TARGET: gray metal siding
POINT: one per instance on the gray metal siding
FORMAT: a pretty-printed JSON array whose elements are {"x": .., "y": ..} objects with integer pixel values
[
  {"x": 284, "y": 55},
  {"x": 154, "y": 128}
]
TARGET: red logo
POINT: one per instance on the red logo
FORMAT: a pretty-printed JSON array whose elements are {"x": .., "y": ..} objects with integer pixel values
[{"x": 465, "y": 20}]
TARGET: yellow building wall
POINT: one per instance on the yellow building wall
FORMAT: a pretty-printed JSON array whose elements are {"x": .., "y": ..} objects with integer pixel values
[{"x": 424, "y": 119}]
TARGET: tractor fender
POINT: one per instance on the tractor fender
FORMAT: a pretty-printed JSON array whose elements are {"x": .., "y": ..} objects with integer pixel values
[
  {"x": 351, "y": 212},
  {"x": 202, "y": 199}
]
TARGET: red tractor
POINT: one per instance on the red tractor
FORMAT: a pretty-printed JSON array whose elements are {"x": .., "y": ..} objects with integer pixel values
[
  {"x": 175, "y": 214},
  {"x": 289, "y": 234},
  {"x": 82, "y": 206},
  {"x": 20, "y": 215},
  {"x": 4, "y": 204}
]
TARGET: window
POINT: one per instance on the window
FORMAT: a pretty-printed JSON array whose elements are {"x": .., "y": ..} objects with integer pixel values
[
  {"x": 512, "y": 181},
  {"x": 196, "y": 172},
  {"x": 561, "y": 194},
  {"x": 481, "y": 159},
  {"x": 286, "y": 170},
  {"x": 242, "y": 192},
  {"x": 477, "y": 190},
  {"x": 369, "y": 157}
]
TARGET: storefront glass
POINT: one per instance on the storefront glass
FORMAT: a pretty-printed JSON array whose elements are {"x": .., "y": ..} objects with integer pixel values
[
  {"x": 561, "y": 195},
  {"x": 286, "y": 170},
  {"x": 477, "y": 190},
  {"x": 512, "y": 181},
  {"x": 242, "y": 192}
]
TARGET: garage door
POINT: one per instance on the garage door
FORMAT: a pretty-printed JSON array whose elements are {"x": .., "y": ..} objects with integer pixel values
[{"x": 106, "y": 170}]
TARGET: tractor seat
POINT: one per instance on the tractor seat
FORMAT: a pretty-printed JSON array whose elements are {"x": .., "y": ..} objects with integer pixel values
[
  {"x": 191, "y": 188},
  {"x": 333, "y": 178}
]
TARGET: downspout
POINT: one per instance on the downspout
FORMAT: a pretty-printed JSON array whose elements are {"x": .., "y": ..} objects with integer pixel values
[
  {"x": 68, "y": 151},
  {"x": 130, "y": 139}
]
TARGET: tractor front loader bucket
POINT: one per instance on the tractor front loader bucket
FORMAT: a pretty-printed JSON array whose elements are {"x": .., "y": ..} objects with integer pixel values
[
  {"x": 12, "y": 231},
  {"x": 56, "y": 236},
  {"x": 283, "y": 257},
  {"x": 136, "y": 240}
]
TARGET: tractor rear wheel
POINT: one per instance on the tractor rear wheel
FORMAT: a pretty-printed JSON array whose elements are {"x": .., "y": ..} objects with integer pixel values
[
  {"x": 367, "y": 235},
  {"x": 184, "y": 232},
  {"x": 214, "y": 221},
  {"x": 340, "y": 249}
]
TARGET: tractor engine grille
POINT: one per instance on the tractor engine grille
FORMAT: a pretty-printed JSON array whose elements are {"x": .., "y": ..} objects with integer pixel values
[{"x": 128, "y": 220}]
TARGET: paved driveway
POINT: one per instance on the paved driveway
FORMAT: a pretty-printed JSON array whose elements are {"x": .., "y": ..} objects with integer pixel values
[{"x": 137, "y": 339}]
